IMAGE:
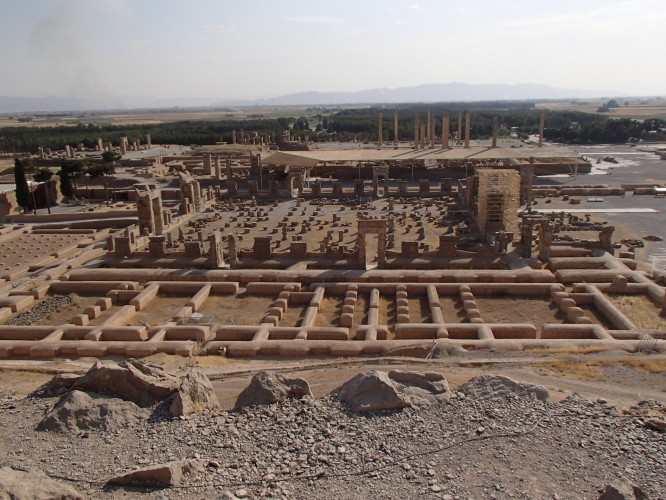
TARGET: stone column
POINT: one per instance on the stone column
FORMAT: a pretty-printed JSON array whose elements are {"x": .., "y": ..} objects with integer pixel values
[
  {"x": 468, "y": 128},
  {"x": 428, "y": 128},
  {"x": 208, "y": 164},
  {"x": 361, "y": 250},
  {"x": 380, "y": 132},
  {"x": 381, "y": 250},
  {"x": 445, "y": 132},
  {"x": 459, "y": 141},
  {"x": 423, "y": 133},
  {"x": 215, "y": 255},
  {"x": 123, "y": 145},
  {"x": 229, "y": 171},
  {"x": 395, "y": 127},
  {"x": 149, "y": 143},
  {"x": 416, "y": 133},
  {"x": 233, "y": 137},
  {"x": 526, "y": 175},
  {"x": 494, "y": 145},
  {"x": 156, "y": 205},
  {"x": 542, "y": 121},
  {"x": 232, "y": 246},
  {"x": 432, "y": 133}
]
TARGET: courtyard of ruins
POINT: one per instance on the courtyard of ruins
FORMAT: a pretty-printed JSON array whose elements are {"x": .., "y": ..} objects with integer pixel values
[{"x": 241, "y": 250}]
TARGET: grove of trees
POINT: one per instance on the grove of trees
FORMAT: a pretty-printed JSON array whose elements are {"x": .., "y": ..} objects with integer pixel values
[{"x": 349, "y": 124}]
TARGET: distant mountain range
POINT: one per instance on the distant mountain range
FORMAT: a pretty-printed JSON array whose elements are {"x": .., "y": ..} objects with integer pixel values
[{"x": 434, "y": 92}]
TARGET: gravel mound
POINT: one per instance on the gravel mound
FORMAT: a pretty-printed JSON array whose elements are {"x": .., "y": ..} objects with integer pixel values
[
  {"x": 53, "y": 303},
  {"x": 499, "y": 386}
]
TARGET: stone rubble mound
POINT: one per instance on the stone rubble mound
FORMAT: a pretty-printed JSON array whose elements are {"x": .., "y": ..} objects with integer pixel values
[
  {"x": 78, "y": 411},
  {"x": 380, "y": 390},
  {"x": 268, "y": 387},
  {"x": 19, "y": 485},
  {"x": 499, "y": 386},
  {"x": 112, "y": 396}
]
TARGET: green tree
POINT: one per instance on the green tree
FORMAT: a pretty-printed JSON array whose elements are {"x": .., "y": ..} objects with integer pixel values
[
  {"x": 70, "y": 170},
  {"x": 102, "y": 170},
  {"x": 23, "y": 195}
]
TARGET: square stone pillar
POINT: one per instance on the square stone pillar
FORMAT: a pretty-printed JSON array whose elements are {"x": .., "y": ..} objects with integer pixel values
[
  {"x": 447, "y": 245},
  {"x": 157, "y": 247},
  {"x": 216, "y": 254}
]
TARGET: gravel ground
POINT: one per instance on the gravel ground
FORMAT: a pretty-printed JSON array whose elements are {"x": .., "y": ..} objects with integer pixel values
[
  {"x": 53, "y": 303},
  {"x": 493, "y": 447}
]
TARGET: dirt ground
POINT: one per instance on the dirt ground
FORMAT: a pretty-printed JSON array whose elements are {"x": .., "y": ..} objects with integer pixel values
[{"x": 619, "y": 377}]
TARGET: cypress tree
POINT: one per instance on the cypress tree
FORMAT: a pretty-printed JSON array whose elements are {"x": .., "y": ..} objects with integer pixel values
[{"x": 23, "y": 197}]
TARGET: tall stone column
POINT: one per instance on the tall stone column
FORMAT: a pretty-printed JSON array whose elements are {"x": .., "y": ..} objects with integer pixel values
[
  {"x": 381, "y": 250},
  {"x": 380, "y": 132},
  {"x": 428, "y": 128},
  {"x": 416, "y": 133},
  {"x": 542, "y": 121},
  {"x": 445, "y": 132},
  {"x": 494, "y": 145},
  {"x": 459, "y": 141},
  {"x": 361, "y": 250},
  {"x": 395, "y": 127},
  {"x": 423, "y": 133},
  {"x": 216, "y": 254},
  {"x": 468, "y": 128},
  {"x": 149, "y": 143},
  {"x": 233, "y": 137},
  {"x": 432, "y": 133}
]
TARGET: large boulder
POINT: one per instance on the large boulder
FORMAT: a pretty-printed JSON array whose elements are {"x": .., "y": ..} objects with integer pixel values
[
  {"x": 499, "y": 386},
  {"x": 131, "y": 380},
  {"x": 33, "y": 485},
  {"x": 379, "y": 390},
  {"x": 622, "y": 490},
  {"x": 268, "y": 387},
  {"x": 158, "y": 476},
  {"x": 77, "y": 411},
  {"x": 194, "y": 395}
]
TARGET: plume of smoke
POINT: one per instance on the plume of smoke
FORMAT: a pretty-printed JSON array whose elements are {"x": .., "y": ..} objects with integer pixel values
[{"x": 64, "y": 44}]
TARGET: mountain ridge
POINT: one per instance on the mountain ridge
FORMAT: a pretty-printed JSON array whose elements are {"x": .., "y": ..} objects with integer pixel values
[{"x": 430, "y": 92}]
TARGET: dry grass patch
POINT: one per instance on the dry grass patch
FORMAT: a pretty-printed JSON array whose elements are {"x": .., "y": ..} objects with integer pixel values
[
  {"x": 648, "y": 365},
  {"x": 593, "y": 370},
  {"x": 584, "y": 370},
  {"x": 571, "y": 350},
  {"x": 640, "y": 310}
]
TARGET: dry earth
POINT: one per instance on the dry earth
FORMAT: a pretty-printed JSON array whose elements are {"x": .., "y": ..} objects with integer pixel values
[{"x": 469, "y": 448}]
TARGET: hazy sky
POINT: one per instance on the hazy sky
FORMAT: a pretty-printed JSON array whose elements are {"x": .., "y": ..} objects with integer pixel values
[{"x": 259, "y": 48}]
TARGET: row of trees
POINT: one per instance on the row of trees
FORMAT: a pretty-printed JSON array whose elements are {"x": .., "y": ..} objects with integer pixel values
[
  {"x": 70, "y": 172},
  {"x": 348, "y": 124}
]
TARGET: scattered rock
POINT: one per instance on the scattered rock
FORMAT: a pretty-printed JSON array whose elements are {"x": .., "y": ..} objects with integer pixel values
[
  {"x": 622, "y": 490},
  {"x": 131, "y": 380},
  {"x": 378, "y": 390},
  {"x": 195, "y": 394},
  {"x": 158, "y": 476},
  {"x": 17, "y": 485},
  {"x": 268, "y": 387},
  {"x": 80, "y": 411},
  {"x": 498, "y": 386},
  {"x": 656, "y": 424}
]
